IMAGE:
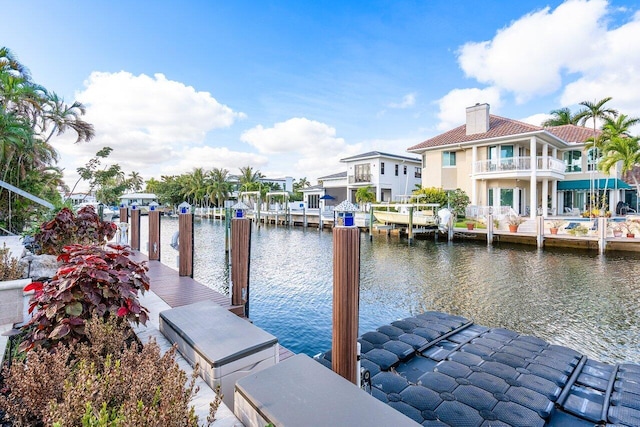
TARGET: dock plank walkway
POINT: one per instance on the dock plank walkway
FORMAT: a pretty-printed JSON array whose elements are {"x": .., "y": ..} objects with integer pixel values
[{"x": 177, "y": 290}]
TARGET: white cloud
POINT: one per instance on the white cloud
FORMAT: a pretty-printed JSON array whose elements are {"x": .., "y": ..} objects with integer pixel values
[
  {"x": 529, "y": 57},
  {"x": 536, "y": 119},
  {"x": 148, "y": 121},
  {"x": 453, "y": 105},
  {"x": 296, "y": 135},
  {"x": 614, "y": 71},
  {"x": 409, "y": 100},
  {"x": 213, "y": 157}
]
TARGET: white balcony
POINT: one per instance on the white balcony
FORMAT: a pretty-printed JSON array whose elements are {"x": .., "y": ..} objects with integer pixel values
[{"x": 519, "y": 166}]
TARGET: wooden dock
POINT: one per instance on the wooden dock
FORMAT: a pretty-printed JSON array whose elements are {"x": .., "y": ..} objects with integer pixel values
[{"x": 178, "y": 290}]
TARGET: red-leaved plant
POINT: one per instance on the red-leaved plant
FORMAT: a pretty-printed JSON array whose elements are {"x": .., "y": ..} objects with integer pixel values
[
  {"x": 68, "y": 228},
  {"x": 90, "y": 281}
]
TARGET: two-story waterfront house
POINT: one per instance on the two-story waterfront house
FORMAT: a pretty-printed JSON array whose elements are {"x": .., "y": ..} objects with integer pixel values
[
  {"x": 505, "y": 162},
  {"x": 388, "y": 175}
]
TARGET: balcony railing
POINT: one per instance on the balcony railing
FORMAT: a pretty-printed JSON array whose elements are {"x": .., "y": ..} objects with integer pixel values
[
  {"x": 515, "y": 164},
  {"x": 363, "y": 177}
]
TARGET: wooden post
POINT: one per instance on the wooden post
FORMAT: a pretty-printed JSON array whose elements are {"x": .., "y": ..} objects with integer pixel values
[
  {"x": 154, "y": 235},
  {"x": 540, "y": 231},
  {"x": 371, "y": 219},
  {"x": 227, "y": 226},
  {"x": 489, "y": 229},
  {"x": 135, "y": 229},
  {"x": 602, "y": 234},
  {"x": 185, "y": 229},
  {"x": 240, "y": 255},
  {"x": 346, "y": 297},
  {"x": 410, "y": 224},
  {"x": 450, "y": 227},
  {"x": 124, "y": 214},
  {"x": 304, "y": 217}
]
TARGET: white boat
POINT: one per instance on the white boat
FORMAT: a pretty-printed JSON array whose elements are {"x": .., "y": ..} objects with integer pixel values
[{"x": 424, "y": 214}]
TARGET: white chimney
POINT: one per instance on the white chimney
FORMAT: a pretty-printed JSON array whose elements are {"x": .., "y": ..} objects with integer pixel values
[{"x": 477, "y": 119}]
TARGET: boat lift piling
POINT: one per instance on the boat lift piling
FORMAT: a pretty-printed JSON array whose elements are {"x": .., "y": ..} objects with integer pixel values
[
  {"x": 410, "y": 229},
  {"x": 346, "y": 293},
  {"x": 135, "y": 227},
  {"x": 154, "y": 232},
  {"x": 240, "y": 258},
  {"x": 185, "y": 240}
]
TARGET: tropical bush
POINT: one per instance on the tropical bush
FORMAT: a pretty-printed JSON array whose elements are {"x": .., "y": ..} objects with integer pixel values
[
  {"x": 91, "y": 281},
  {"x": 67, "y": 228},
  {"x": 456, "y": 199},
  {"x": 101, "y": 382}
]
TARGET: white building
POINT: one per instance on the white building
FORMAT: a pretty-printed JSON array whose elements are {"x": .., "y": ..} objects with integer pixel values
[{"x": 388, "y": 175}]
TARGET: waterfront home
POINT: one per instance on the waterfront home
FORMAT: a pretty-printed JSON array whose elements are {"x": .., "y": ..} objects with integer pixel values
[
  {"x": 141, "y": 200},
  {"x": 504, "y": 162},
  {"x": 389, "y": 176}
]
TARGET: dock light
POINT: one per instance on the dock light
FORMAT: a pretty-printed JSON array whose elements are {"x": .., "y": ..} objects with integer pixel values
[
  {"x": 239, "y": 209},
  {"x": 153, "y": 206},
  {"x": 184, "y": 208},
  {"x": 123, "y": 204},
  {"x": 134, "y": 206},
  {"x": 345, "y": 214}
]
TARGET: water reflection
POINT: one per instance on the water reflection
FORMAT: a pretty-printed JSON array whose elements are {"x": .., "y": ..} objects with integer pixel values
[{"x": 579, "y": 299}]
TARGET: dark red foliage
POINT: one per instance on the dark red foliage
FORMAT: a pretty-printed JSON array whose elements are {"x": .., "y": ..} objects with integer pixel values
[
  {"x": 90, "y": 280},
  {"x": 67, "y": 228}
]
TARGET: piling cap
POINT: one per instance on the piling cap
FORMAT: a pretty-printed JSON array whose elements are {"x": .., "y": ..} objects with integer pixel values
[
  {"x": 240, "y": 206},
  {"x": 153, "y": 206},
  {"x": 184, "y": 208},
  {"x": 346, "y": 206}
]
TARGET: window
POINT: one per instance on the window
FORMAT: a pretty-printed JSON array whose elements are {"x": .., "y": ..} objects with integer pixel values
[
  {"x": 448, "y": 158},
  {"x": 593, "y": 157},
  {"x": 417, "y": 173},
  {"x": 313, "y": 201},
  {"x": 573, "y": 161},
  {"x": 405, "y": 169},
  {"x": 396, "y": 170},
  {"x": 362, "y": 173},
  {"x": 381, "y": 168}
]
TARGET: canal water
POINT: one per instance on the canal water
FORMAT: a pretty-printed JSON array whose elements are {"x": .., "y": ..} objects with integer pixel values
[{"x": 582, "y": 300}]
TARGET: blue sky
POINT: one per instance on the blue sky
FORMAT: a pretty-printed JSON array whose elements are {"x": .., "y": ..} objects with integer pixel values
[{"x": 292, "y": 87}]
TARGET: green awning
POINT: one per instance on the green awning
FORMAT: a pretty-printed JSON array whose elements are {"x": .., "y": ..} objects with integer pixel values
[{"x": 601, "y": 184}]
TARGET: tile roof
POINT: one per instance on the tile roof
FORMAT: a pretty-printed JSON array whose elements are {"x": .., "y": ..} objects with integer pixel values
[
  {"x": 378, "y": 154},
  {"x": 498, "y": 127},
  {"x": 334, "y": 176},
  {"x": 571, "y": 133}
]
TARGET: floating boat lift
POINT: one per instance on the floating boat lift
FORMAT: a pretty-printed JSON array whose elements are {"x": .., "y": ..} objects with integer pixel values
[{"x": 439, "y": 368}]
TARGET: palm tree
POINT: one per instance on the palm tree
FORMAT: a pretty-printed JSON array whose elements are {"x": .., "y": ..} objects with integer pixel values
[
  {"x": 135, "y": 181},
  {"x": 625, "y": 150},
  {"x": 249, "y": 178},
  {"x": 64, "y": 117},
  {"x": 219, "y": 187},
  {"x": 560, "y": 117},
  {"x": 196, "y": 182},
  {"x": 365, "y": 195},
  {"x": 595, "y": 111}
]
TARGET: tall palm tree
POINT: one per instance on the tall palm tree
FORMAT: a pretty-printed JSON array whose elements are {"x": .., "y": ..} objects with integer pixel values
[
  {"x": 248, "y": 178},
  {"x": 135, "y": 181},
  {"x": 595, "y": 111},
  {"x": 560, "y": 117},
  {"x": 219, "y": 185},
  {"x": 63, "y": 117},
  {"x": 196, "y": 182}
]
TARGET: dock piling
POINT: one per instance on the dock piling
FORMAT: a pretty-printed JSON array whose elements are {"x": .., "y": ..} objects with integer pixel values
[
  {"x": 185, "y": 241},
  {"x": 154, "y": 235},
  {"x": 240, "y": 258},
  {"x": 135, "y": 228},
  {"x": 346, "y": 293}
]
